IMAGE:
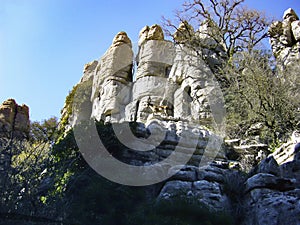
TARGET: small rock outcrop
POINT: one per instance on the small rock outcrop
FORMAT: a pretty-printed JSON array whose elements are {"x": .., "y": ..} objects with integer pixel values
[
  {"x": 14, "y": 119},
  {"x": 285, "y": 38},
  {"x": 288, "y": 151}
]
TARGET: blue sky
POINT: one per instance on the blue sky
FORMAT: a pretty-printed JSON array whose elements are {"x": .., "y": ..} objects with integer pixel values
[{"x": 44, "y": 44}]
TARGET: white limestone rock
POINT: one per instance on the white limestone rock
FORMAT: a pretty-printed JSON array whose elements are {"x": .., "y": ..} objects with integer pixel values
[
  {"x": 111, "y": 85},
  {"x": 155, "y": 57},
  {"x": 287, "y": 151},
  {"x": 296, "y": 30},
  {"x": 195, "y": 80},
  {"x": 89, "y": 71}
]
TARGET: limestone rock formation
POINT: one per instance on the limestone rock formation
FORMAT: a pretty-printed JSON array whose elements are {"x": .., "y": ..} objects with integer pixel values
[
  {"x": 14, "y": 119},
  {"x": 285, "y": 39},
  {"x": 169, "y": 101},
  {"x": 171, "y": 82},
  {"x": 212, "y": 45},
  {"x": 111, "y": 83},
  {"x": 149, "y": 91},
  {"x": 88, "y": 71}
]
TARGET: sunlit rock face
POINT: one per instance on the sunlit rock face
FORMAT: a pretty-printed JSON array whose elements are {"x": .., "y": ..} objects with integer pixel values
[
  {"x": 112, "y": 80},
  {"x": 285, "y": 38},
  {"x": 172, "y": 82},
  {"x": 14, "y": 119}
]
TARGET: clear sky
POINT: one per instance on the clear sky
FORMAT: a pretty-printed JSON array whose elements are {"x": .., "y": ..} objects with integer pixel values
[{"x": 44, "y": 44}]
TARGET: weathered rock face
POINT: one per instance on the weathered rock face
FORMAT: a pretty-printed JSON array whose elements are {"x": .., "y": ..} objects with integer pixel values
[
  {"x": 88, "y": 71},
  {"x": 14, "y": 119},
  {"x": 111, "y": 83},
  {"x": 195, "y": 81},
  {"x": 206, "y": 184},
  {"x": 154, "y": 60},
  {"x": 172, "y": 82},
  {"x": 285, "y": 38},
  {"x": 272, "y": 195},
  {"x": 212, "y": 46},
  {"x": 169, "y": 100}
]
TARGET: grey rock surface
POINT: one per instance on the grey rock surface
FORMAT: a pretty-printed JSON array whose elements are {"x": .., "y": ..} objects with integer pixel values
[{"x": 284, "y": 38}]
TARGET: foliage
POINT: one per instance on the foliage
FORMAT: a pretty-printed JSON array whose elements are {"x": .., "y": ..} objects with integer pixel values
[
  {"x": 24, "y": 176},
  {"x": 258, "y": 94},
  {"x": 78, "y": 100},
  {"x": 68, "y": 107},
  {"x": 45, "y": 131},
  {"x": 26, "y": 170}
]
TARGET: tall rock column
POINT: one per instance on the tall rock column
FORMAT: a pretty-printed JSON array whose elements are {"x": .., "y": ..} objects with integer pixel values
[
  {"x": 150, "y": 90},
  {"x": 112, "y": 81},
  {"x": 194, "y": 77}
]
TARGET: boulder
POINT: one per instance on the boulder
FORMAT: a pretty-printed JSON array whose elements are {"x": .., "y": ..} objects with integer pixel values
[
  {"x": 269, "y": 165},
  {"x": 265, "y": 206},
  {"x": 269, "y": 181},
  {"x": 206, "y": 193},
  {"x": 155, "y": 33},
  {"x": 290, "y": 14}
]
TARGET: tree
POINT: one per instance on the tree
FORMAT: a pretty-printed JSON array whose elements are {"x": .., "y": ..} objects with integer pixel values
[
  {"x": 26, "y": 167},
  {"x": 45, "y": 131},
  {"x": 238, "y": 27}
]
